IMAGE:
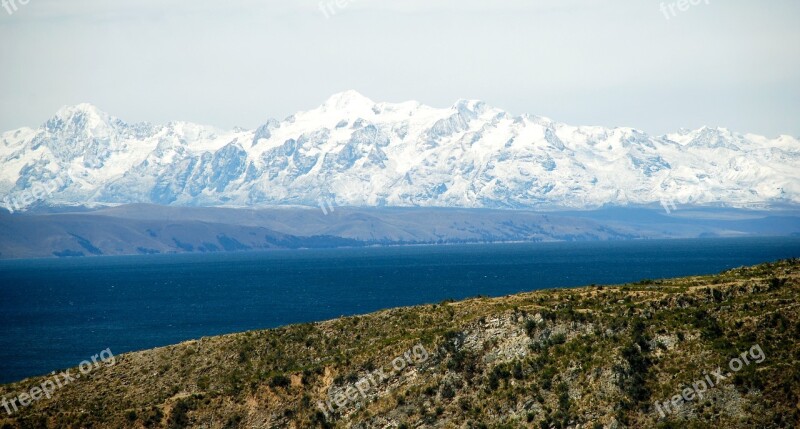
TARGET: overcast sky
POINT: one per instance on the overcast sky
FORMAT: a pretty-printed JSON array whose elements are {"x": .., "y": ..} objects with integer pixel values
[{"x": 729, "y": 63}]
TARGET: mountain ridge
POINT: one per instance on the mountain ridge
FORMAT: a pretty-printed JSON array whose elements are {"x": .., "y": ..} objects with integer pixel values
[
  {"x": 150, "y": 229},
  {"x": 360, "y": 153}
]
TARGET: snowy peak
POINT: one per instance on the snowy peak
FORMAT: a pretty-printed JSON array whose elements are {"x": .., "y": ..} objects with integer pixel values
[
  {"x": 85, "y": 109},
  {"x": 472, "y": 106},
  {"x": 85, "y": 113},
  {"x": 83, "y": 118},
  {"x": 354, "y": 151},
  {"x": 347, "y": 101},
  {"x": 709, "y": 138}
]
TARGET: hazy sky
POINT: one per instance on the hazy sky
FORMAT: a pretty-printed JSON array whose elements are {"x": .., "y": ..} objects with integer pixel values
[{"x": 730, "y": 63}]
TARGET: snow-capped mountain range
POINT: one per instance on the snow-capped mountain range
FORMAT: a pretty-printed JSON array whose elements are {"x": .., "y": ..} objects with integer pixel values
[{"x": 351, "y": 151}]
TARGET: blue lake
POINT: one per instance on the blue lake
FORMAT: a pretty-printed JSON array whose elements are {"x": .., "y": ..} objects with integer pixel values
[{"x": 56, "y": 313}]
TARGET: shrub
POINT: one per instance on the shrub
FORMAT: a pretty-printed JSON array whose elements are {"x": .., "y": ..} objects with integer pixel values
[{"x": 280, "y": 381}]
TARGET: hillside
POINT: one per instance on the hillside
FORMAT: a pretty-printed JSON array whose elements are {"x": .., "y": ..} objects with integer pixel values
[
  {"x": 591, "y": 357},
  {"x": 149, "y": 229}
]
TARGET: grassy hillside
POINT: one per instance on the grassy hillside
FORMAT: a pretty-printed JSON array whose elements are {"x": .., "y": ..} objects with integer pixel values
[{"x": 591, "y": 357}]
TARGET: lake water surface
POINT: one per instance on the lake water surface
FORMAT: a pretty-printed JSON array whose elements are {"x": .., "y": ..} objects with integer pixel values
[{"x": 56, "y": 313}]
